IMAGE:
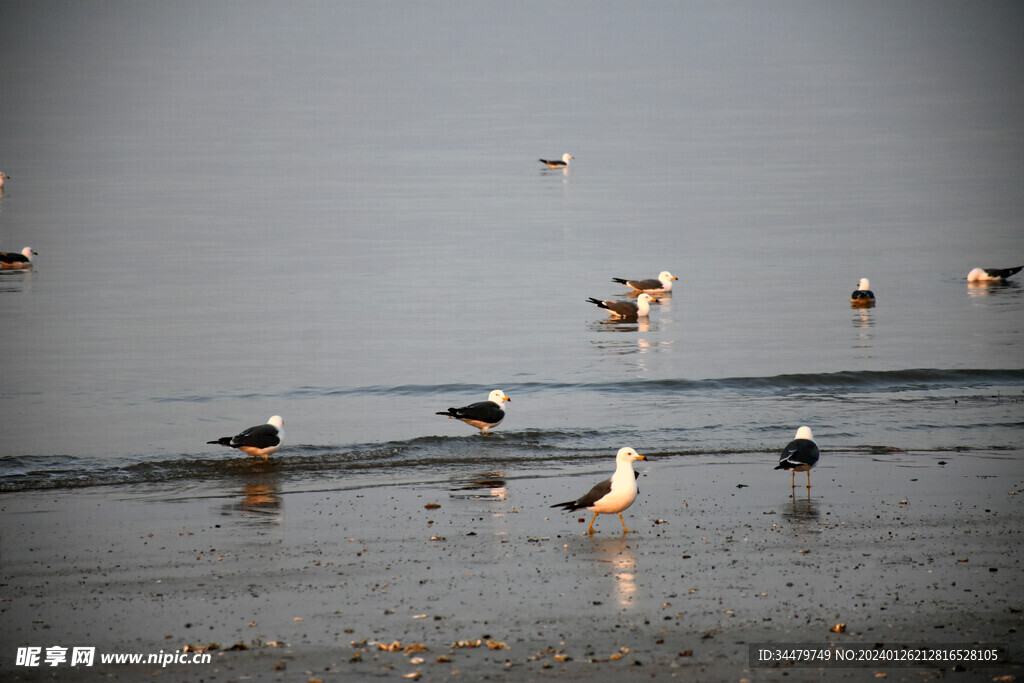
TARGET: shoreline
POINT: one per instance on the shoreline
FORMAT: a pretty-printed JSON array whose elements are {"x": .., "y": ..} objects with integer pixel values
[{"x": 309, "y": 582}]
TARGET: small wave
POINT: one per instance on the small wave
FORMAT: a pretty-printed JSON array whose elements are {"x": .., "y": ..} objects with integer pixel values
[
  {"x": 844, "y": 381},
  {"x": 302, "y": 461}
]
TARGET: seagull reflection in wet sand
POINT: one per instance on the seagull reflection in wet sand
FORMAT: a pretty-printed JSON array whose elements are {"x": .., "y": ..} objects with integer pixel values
[
  {"x": 488, "y": 486},
  {"x": 616, "y": 551},
  {"x": 260, "y": 502}
]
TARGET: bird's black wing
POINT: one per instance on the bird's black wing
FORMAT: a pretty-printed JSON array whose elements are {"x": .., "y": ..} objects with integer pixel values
[
  {"x": 484, "y": 411},
  {"x": 10, "y": 257},
  {"x": 797, "y": 453},
  {"x": 260, "y": 436},
  {"x": 1003, "y": 272},
  {"x": 595, "y": 494}
]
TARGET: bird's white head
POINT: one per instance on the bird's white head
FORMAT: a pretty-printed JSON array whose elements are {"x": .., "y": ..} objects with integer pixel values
[
  {"x": 804, "y": 433},
  {"x": 628, "y": 455},
  {"x": 567, "y": 157},
  {"x": 665, "y": 276},
  {"x": 29, "y": 252},
  {"x": 864, "y": 285},
  {"x": 647, "y": 298},
  {"x": 977, "y": 274},
  {"x": 276, "y": 421},
  {"x": 498, "y": 396}
]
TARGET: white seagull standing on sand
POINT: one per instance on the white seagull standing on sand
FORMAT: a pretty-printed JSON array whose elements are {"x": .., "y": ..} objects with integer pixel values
[
  {"x": 564, "y": 163},
  {"x": 12, "y": 261},
  {"x": 662, "y": 284},
  {"x": 262, "y": 439},
  {"x": 800, "y": 455},
  {"x": 992, "y": 274},
  {"x": 625, "y": 309},
  {"x": 863, "y": 296},
  {"x": 613, "y": 495},
  {"x": 482, "y": 415}
]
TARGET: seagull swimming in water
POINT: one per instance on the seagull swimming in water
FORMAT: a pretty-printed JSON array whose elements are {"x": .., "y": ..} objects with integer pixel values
[
  {"x": 482, "y": 415},
  {"x": 564, "y": 163},
  {"x": 612, "y": 495},
  {"x": 12, "y": 261},
  {"x": 264, "y": 439},
  {"x": 625, "y": 309},
  {"x": 662, "y": 284},
  {"x": 863, "y": 296},
  {"x": 992, "y": 274},
  {"x": 800, "y": 455}
]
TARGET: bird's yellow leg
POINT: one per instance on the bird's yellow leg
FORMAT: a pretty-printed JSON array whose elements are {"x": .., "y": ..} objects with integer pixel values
[
  {"x": 592, "y": 524},
  {"x": 808, "y": 479},
  {"x": 624, "y": 529},
  {"x": 793, "y": 480}
]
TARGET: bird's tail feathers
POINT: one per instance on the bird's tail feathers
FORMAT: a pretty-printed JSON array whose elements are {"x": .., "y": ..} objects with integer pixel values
[
  {"x": 569, "y": 505},
  {"x": 222, "y": 441},
  {"x": 596, "y": 302},
  {"x": 620, "y": 280}
]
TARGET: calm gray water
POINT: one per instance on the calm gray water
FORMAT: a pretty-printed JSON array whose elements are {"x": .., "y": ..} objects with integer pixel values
[{"x": 334, "y": 212}]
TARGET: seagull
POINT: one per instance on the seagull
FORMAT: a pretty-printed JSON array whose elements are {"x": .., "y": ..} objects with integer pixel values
[
  {"x": 800, "y": 455},
  {"x": 612, "y": 495},
  {"x": 625, "y": 309},
  {"x": 3, "y": 177},
  {"x": 564, "y": 163},
  {"x": 992, "y": 274},
  {"x": 12, "y": 261},
  {"x": 662, "y": 284},
  {"x": 482, "y": 415},
  {"x": 863, "y": 296},
  {"x": 262, "y": 439}
]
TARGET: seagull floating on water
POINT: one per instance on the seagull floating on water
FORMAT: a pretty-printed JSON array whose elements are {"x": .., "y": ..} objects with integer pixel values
[
  {"x": 264, "y": 439},
  {"x": 12, "y": 261},
  {"x": 662, "y": 284},
  {"x": 800, "y": 455},
  {"x": 992, "y": 274},
  {"x": 625, "y": 309},
  {"x": 863, "y": 296},
  {"x": 482, "y": 415},
  {"x": 564, "y": 163},
  {"x": 613, "y": 495}
]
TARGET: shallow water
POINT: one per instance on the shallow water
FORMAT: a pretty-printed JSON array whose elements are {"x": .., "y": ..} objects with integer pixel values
[{"x": 335, "y": 214}]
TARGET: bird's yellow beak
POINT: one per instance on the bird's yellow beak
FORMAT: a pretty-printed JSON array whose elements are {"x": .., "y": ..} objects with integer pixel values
[
  {"x": 641, "y": 457},
  {"x": 674, "y": 277},
  {"x": 506, "y": 398}
]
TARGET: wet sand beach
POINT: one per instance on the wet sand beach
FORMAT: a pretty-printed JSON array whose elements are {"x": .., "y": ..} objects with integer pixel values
[{"x": 481, "y": 579}]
